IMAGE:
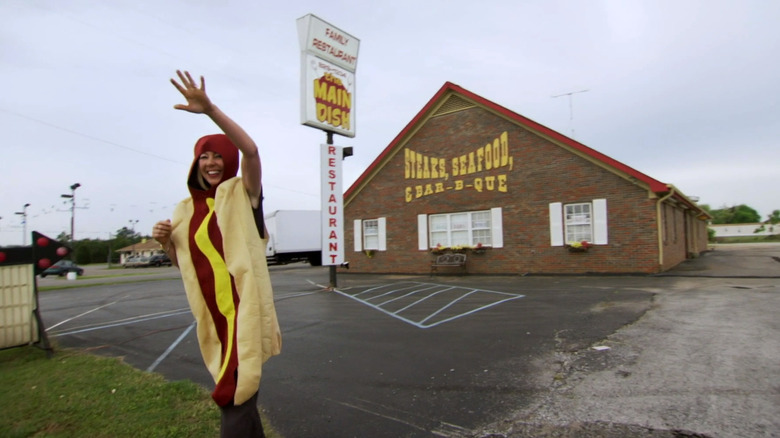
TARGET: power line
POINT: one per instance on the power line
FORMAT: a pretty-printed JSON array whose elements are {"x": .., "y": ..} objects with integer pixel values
[{"x": 81, "y": 134}]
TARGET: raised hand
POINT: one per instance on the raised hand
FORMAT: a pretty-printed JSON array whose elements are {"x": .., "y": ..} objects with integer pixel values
[
  {"x": 197, "y": 100},
  {"x": 162, "y": 232}
]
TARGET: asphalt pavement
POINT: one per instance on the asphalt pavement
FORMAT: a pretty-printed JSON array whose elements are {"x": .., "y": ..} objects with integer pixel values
[{"x": 692, "y": 352}]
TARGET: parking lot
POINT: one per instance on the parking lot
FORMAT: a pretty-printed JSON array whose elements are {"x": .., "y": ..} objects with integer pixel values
[{"x": 408, "y": 356}]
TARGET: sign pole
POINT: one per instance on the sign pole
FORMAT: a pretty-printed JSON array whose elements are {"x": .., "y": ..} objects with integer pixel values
[
  {"x": 329, "y": 58},
  {"x": 332, "y": 268}
]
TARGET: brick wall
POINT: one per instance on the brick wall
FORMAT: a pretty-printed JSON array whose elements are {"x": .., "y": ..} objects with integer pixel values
[
  {"x": 674, "y": 236},
  {"x": 540, "y": 173}
]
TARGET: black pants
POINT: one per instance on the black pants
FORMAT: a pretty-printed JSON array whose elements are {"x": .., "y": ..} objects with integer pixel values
[{"x": 242, "y": 421}]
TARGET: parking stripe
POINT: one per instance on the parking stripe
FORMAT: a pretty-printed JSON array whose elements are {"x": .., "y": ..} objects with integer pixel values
[
  {"x": 121, "y": 322},
  {"x": 429, "y": 304},
  {"x": 171, "y": 347}
]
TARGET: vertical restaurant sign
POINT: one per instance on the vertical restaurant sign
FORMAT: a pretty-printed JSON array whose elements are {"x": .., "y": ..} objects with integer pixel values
[
  {"x": 332, "y": 207},
  {"x": 328, "y": 63}
]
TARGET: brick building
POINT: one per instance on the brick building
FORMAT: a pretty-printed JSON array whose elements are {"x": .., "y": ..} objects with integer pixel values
[{"x": 468, "y": 175}]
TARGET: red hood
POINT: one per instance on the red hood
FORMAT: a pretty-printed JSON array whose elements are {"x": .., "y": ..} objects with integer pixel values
[{"x": 220, "y": 144}]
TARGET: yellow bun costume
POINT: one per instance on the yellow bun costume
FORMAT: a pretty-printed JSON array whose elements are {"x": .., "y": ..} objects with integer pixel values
[{"x": 220, "y": 246}]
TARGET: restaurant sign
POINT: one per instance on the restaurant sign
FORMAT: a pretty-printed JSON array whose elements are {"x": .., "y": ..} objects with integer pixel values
[{"x": 328, "y": 63}]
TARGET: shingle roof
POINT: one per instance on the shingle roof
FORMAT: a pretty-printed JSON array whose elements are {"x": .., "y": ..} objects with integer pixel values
[{"x": 149, "y": 244}]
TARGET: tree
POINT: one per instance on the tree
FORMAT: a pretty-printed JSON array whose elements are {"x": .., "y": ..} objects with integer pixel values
[
  {"x": 774, "y": 217},
  {"x": 126, "y": 234},
  {"x": 738, "y": 214},
  {"x": 772, "y": 220}
]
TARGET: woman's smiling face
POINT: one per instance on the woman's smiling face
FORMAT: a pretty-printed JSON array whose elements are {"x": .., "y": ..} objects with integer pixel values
[{"x": 211, "y": 167}]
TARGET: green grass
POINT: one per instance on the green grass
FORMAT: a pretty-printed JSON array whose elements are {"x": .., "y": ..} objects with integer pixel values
[
  {"x": 109, "y": 279},
  {"x": 73, "y": 285},
  {"x": 74, "y": 394},
  {"x": 121, "y": 274}
]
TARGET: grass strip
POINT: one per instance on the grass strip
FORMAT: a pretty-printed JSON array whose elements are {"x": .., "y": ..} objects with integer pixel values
[
  {"x": 106, "y": 283},
  {"x": 74, "y": 394}
]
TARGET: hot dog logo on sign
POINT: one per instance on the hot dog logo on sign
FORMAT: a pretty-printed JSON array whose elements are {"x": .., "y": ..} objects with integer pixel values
[{"x": 328, "y": 64}]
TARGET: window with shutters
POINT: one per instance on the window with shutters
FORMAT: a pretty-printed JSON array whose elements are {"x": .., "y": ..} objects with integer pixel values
[
  {"x": 371, "y": 234},
  {"x": 460, "y": 229},
  {"x": 578, "y": 222}
]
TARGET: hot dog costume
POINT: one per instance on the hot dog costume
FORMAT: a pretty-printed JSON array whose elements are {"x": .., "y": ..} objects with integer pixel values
[{"x": 220, "y": 246}]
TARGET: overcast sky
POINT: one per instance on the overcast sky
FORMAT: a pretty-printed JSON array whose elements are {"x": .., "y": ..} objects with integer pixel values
[{"x": 684, "y": 91}]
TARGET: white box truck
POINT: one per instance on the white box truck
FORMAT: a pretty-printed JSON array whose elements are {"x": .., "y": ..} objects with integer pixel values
[{"x": 293, "y": 236}]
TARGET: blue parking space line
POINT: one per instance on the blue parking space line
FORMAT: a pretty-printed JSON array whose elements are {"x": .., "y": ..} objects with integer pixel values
[
  {"x": 127, "y": 321},
  {"x": 423, "y": 299},
  {"x": 375, "y": 307},
  {"x": 448, "y": 305},
  {"x": 452, "y": 318},
  {"x": 409, "y": 290},
  {"x": 406, "y": 295},
  {"x": 171, "y": 347},
  {"x": 386, "y": 293}
]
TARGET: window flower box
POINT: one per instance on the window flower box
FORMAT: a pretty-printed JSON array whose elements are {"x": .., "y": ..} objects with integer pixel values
[
  {"x": 439, "y": 249},
  {"x": 579, "y": 246},
  {"x": 458, "y": 249}
]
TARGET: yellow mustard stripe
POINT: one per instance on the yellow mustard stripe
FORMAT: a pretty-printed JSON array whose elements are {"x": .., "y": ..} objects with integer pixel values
[{"x": 222, "y": 288}]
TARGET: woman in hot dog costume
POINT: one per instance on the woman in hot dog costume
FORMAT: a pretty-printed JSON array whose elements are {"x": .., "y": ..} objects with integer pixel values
[{"x": 217, "y": 238}]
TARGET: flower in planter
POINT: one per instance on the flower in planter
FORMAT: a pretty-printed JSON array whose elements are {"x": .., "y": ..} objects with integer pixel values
[
  {"x": 459, "y": 248},
  {"x": 579, "y": 246},
  {"x": 369, "y": 253},
  {"x": 438, "y": 249}
]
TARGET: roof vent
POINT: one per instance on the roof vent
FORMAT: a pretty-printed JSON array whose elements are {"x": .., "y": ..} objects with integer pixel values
[{"x": 453, "y": 104}]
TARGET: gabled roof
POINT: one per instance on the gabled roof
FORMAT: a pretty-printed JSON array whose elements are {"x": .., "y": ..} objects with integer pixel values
[
  {"x": 147, "y": 245},
  {"x": 448, "y": 90}
]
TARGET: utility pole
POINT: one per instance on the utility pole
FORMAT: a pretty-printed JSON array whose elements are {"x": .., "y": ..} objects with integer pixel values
[
  {"x": 23, "y": 213},
  {"x": 571, "y": 108},
  {"x": 72, "y": 198},
  {"x": 132, "y": 229},
  {"x": 108, "y": 257}
]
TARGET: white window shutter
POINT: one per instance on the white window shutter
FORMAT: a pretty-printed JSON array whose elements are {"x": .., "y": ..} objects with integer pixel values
[
  {"x": 422, "y": 232},
  {"x": 556, "y": 224},
  {"x": 382, "y": 231},
  {"x": 600, "y": 221},
  {"x": 497, "y": 228},
  {"x": 358, "y": 224}
]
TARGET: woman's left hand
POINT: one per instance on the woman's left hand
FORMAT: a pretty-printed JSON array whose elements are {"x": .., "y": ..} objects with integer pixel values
[{"x": 197, "y": 100}]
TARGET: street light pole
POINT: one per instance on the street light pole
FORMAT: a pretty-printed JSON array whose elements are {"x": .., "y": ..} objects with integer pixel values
[
  {"x": 132, "y": 228},
  {"x": 23, "y": 213},
  {"x": 72, "y": 198}
]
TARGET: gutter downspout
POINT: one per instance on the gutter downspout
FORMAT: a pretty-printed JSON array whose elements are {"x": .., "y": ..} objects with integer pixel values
[{"x": 660, "y": 225}]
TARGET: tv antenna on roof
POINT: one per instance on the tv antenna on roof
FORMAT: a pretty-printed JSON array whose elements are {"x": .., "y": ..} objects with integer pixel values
[{"x": 571, "y": 108}]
